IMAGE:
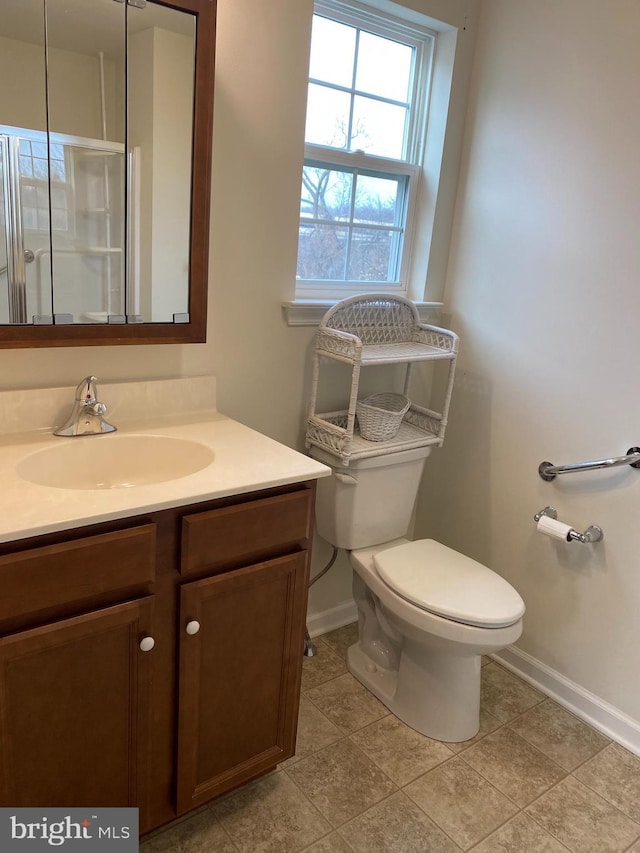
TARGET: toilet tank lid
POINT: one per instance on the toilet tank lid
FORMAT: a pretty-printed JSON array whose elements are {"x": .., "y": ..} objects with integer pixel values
[
  {"x": 381, "y": 460},
  {"x": 447, "y": 583}
]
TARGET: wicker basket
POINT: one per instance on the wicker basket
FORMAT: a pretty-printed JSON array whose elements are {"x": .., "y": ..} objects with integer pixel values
[{"x": 380, "y": 415}]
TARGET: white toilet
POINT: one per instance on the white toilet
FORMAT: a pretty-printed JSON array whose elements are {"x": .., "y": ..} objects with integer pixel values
[{"x": 426, "y": 613}]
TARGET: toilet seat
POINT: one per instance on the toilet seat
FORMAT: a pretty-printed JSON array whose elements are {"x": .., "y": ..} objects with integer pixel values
[{"x": 442, "y": 581}]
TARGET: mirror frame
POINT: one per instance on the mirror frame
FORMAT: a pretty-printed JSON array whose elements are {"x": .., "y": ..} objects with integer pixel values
[{"x": 194, "y": 331}]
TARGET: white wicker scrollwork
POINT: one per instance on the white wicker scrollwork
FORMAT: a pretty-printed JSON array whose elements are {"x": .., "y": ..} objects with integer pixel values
[{"x": 377, "y": 329}]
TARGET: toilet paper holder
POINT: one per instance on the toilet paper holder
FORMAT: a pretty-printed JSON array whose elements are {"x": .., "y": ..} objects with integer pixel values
[{"x": 593, "y": 533}]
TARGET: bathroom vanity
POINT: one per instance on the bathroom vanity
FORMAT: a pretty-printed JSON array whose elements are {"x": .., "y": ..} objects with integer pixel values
[{"x": 151, "y": 637}]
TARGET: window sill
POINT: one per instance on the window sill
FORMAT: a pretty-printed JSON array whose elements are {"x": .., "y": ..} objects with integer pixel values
[{"x": 309, "y": 312}]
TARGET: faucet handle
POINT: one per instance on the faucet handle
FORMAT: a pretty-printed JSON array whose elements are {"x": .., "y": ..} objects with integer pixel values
[
  {"x": 97, "y": 409},
  {"x": 87, "y": 390}
]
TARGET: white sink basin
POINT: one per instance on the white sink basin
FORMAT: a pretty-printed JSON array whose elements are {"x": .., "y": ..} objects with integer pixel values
[{"x": 114, "y": 461}]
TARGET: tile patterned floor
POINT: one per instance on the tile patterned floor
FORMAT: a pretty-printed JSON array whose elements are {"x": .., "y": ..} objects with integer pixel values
[{"x": 534, "y": 780}]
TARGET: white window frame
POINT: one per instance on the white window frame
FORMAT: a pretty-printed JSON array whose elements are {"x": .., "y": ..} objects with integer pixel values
[{"x": 422, "y": 39}]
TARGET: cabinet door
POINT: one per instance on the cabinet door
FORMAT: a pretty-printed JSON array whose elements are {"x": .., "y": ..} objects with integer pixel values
[
  {"x": 240, "y": 668},
  {"x": 74, "y": 699}
]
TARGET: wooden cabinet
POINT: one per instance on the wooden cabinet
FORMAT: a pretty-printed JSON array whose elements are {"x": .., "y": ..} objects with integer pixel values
[
  {"x": 240, "y": 653},
  {"x": 90, "y": 718},
  {"x": 75, "y": 699}
]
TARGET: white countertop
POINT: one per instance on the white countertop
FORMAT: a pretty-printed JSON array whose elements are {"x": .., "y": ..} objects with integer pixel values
[{"x": 244, "y": 461}]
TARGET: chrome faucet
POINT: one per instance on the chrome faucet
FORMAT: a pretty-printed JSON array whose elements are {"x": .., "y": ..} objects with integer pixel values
[{"x": 87, "y": 415}]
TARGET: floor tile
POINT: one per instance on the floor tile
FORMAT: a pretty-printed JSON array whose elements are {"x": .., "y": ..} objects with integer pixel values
[
  {"x": 461, "y": 802},
  {"x": 347, "y": 703},
  {"x": 513, "y": 765},
  {"x": 340, "y": 639},
  {"x": 270, "y": 816},
  {"x": 340, "y": 794},
  {"x": 396, "y": 825},
  {"x": 341, "y": 781},
  {"x": 331, "y": 843},
  {"x": 615, "y": 775},
  {"x": 315, "y": 731},
  {"x": 198, "y": 834},
  {"x": 582, "y": 820},
  {"x": 521, "y": 834},
  {"x": 560, "y": 735},
  {"x": 402, "y": 753},
  {"x": 505, "y": 695},
  {"x": 321, "y": 667},
  {"x": 488, "y": 724}
]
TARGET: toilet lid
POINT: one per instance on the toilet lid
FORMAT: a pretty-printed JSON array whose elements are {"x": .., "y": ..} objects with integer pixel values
[{"x": 446, "y": 583}]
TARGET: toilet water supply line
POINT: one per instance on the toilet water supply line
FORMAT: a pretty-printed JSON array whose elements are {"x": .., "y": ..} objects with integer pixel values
[{"x": 310, "y": 649}]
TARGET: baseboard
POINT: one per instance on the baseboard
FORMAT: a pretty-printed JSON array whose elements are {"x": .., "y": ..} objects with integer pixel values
[
  {"x": 589, "y": 707},
  {"x": 329, "y": 620}
]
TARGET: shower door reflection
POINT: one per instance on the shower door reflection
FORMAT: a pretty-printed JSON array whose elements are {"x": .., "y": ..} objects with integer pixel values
[
  {"x": 26, "y": 290},
  {"x": 62, "y": 210},
  {"x": 87, "y": 230}
]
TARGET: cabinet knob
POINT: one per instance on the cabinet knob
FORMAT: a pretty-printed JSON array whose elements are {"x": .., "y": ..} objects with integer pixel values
[
  {"x": 146, "y": 644},
  {"x": 193, "y": 627}
]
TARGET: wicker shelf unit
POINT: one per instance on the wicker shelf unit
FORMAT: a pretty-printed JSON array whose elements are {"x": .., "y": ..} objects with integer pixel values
[{"x": 370, "y": 330}]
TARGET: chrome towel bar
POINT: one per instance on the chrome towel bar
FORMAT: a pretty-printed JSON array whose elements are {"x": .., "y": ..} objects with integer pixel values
[{"x": 549, "y": 471}]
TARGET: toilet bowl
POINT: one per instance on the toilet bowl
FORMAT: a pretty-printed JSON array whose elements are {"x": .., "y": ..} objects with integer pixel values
[
  {"x": 426, "y": 614},
  {"x": 420, "y": 662}
]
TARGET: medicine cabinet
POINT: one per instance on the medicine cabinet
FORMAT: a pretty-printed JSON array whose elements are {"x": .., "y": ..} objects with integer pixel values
[{"x": 105, "y": 159}]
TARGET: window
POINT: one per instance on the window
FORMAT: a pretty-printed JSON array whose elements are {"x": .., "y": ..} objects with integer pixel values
[
  {"x": 37, "y": 163},
  {"x": 366, "y": 115}
]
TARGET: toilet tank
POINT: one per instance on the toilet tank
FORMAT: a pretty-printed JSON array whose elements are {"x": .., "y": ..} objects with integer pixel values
[{"x": 371, "y": 500}]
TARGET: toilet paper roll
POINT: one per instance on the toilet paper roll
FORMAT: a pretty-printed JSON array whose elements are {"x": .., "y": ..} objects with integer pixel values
[{"x": 555, "y": 529}]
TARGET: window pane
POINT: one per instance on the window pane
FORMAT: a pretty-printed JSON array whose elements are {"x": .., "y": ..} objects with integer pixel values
[
  {"x": 378, "y": 128},
  {"x": 42, "y": 196},
  {"x": 30, "y": 218},
  {"x": 40, "y": 169},
  {"x": 384, "y": 67},
  {"x": 327, "y": 116},
  {"x": 322, "y": 251},
  {"x": 326, "y": 194},
  {"x": 40, "y": 150},
  {"x": 58, "y": 171},
  {"x": 43, "y": 219},
  {"x": 332, "y": 51},
  {"x": 29, "y": 195},
  {"x": 370, "y": 253},
  {"x": 26, "y": 167},
  {"x": 376, "y": 200},
  {"x": 58, "y": 198}
]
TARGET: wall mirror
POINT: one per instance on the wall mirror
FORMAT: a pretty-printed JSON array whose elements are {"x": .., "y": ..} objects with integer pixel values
[{"x": 105, "y": 157}]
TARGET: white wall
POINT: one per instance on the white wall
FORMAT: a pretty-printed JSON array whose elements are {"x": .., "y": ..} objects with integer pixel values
[
  {"x": 160, "y": 117},
  {"x": 22, "y": 104},
  {"x": 74, "y": 91},
  {"x": 543, "y": 289},
  {"x": 173, "y": 66},
  {"x": 140, "y": 130}
]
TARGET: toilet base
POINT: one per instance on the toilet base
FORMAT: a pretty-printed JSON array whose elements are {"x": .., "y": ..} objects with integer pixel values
[{"x": 438, "y": 697}]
